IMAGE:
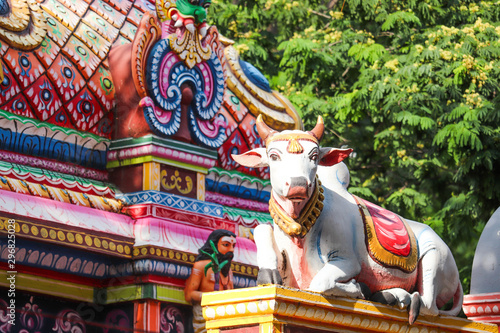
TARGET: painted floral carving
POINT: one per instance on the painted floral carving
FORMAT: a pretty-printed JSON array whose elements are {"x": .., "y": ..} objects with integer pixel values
[
  {"x": 69, "y": 321},
  {"x": 116, "y": 318},
  {"x": 171, "y": 320},
  {"x": 31, "y": 318},
  {"x": 170, "y": 182},
  {"x": 4, "y": 317}
]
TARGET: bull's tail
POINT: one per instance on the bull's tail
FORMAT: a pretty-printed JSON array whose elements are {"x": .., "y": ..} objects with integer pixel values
[{"x": 458, "y": 299}]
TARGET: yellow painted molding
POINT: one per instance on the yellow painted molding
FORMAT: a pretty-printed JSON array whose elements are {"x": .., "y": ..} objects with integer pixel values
[
  {"x": 170, "y": 294},
  {"x": 200, "y": 189},
  {"x": 240, "y": 321},
  {"x": 151, "y": 176},
  {"x": 48, "y": 286},
  {"x": 84, "y": 293},
  {"x": 274, "y": 304},
  {"x": 151, "y": 158},
  {"x": 273, "y": 327}
]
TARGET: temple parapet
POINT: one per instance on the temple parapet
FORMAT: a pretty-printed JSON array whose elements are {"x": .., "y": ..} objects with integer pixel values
[{"x": 276, "y": 308}]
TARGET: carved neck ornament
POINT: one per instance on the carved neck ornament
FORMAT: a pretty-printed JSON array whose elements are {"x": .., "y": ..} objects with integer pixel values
[{"x": 307, "y": 218}]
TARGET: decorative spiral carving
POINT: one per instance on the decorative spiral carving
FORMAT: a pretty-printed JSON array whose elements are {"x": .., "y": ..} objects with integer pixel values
[
  {"x": 69, "y": 321},
  {"x": 23, "y": 24},
  {"x": 31, "y": 318},
  {"x": 171, "y": 320},
  {"x": 148, "y": 33},
  {"x": 165, "y": 75}
]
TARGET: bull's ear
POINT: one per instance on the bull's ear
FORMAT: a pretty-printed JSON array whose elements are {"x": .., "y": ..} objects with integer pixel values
[
  {"x": 255, "y": 158},
  {"x": 332, "y": 156}
]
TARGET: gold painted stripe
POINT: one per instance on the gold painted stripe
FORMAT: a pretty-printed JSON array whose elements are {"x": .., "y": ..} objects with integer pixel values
[
  {"x": 241, "y": 321},
  {"x": 152, "y": 251},
  {"x": 200, "y": 188},
  {"x": 151, "y": 176},
  {"x": 69, "y": 236}
]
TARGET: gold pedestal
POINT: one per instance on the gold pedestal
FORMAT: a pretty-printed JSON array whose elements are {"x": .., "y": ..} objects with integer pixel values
[{"x": 277, "y": 309}]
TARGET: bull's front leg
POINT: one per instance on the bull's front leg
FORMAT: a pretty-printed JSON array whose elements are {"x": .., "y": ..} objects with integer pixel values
[
  {"x": 267, "y": 257},
  {"x": 336, "y": 278}
]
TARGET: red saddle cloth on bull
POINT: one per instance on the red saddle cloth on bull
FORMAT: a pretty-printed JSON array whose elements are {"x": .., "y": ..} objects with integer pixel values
[{"x": 389, "y": 239}]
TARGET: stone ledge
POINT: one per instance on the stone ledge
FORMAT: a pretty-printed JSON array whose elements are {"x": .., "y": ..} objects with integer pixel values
[
  {"x": 283, "y": 309},
  {"x": 483, "y": 307}
]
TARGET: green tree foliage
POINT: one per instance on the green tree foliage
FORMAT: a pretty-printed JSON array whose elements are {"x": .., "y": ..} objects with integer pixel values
[{"x": 411, "y": 85}]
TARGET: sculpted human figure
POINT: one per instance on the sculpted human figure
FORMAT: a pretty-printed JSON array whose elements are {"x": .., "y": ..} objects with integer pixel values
[
  {"x": 204, "y": 279},
  {"x": 326, "y": 240}
]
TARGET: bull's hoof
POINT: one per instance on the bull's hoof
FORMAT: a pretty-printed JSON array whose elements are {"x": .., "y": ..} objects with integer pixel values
[
  {"x": 269, "y": 276},
  {"x": 367, "y": 293},
  {"x": 414, "y": 308},
  {"x": 384, "y": 298}
]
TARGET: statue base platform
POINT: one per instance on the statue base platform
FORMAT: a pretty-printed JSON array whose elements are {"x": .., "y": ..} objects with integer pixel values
[{"x": 277, "y": 309}]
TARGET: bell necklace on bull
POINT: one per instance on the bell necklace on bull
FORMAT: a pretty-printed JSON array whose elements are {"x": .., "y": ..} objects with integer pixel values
[{"x": 295, "y": 225}]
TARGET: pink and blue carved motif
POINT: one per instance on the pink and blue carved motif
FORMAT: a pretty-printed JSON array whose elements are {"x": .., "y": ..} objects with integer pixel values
[{"x": 166, "y": 73}]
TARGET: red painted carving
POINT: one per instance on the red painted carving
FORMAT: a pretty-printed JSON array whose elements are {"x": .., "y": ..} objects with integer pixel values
[{"x": 175, "y": 215}]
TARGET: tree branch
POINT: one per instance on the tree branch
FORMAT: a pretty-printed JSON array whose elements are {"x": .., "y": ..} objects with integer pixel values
[
  {"x": 332, "y": 4},
  {"x": 320, "y": 14}
]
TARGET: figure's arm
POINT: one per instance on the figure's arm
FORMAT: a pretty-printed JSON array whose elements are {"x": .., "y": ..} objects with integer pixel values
[
  {"x": 231, "y": 279},
  {"x": 266, "y": 255},
  {"x": 192, "y": 292}
]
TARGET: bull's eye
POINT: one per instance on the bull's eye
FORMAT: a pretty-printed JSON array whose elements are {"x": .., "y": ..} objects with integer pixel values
[
  {"x": 313, "y": 156},
  {"x": 274, "y": 157}
]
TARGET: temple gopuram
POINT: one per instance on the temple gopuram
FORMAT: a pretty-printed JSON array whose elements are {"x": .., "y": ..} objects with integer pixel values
[{"x": 118, "y": 119}]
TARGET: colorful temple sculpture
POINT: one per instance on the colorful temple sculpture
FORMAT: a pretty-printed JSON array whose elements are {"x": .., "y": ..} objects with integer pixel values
[
  {"x": 483, "y": 302},
  {"x": 118, "y": 123}
]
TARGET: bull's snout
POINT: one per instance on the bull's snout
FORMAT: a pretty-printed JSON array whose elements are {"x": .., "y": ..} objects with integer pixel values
[{"x": 298, "y": 188}]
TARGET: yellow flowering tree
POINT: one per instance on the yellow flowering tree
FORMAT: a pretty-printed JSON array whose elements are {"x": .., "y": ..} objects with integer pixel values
[{"x": 412, "y": 86}]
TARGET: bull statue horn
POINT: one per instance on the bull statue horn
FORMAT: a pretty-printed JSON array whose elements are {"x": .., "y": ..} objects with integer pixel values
[
  {"x": 318, "y": 130},
  {"x": 264, "y": 131}
]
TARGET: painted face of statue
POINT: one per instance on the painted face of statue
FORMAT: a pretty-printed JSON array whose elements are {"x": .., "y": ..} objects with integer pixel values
[{"x": 226, "y": 244}]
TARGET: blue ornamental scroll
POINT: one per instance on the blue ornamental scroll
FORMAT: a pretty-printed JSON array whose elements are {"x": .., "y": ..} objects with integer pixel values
[{"x": 165, "y": 74}]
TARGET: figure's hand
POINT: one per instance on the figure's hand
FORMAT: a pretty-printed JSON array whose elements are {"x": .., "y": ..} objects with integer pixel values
[{"x": 269, "y": 276}]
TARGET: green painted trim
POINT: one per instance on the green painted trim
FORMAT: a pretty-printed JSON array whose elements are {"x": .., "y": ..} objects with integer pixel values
[
  {"x": 163, "y": 142},
  {"x": 123, "y": 293},
  {"x": 51, "y": 287},
  {"x": 100, "y": 295},
  {"x": 151, "y": 158},
  {"x": 148, "y": 291},
  {"x": 241, "y": 175},
  {"x": 84, "y": 293},
  {"x": 54, "y": 175},
  {"x": 170, "y": 294},
  {"x": 145, "y": 291},
  {"x": 39, "y": 124},
  {"x": 247, "y": 215}
]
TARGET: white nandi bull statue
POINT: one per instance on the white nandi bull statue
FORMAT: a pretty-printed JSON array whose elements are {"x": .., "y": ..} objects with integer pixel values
[{"x": 329, "y": 241}]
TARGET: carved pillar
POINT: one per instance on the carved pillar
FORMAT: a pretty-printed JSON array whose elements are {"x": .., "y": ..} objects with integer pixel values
[
  {"x": 147, "y": 316},
  {"x": 200, "y": 189},
  {"x": 151, "y": 176}
]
